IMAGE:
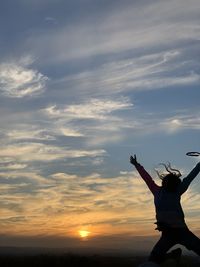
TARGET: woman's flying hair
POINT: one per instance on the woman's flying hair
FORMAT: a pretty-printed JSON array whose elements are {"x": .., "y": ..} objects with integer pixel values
[
  {"x": 171, "y": 180},
  {"x": 170, "y": 170}
]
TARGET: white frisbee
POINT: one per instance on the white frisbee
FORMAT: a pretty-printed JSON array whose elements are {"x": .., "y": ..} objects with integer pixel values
[{"x": 193, "y": 154}]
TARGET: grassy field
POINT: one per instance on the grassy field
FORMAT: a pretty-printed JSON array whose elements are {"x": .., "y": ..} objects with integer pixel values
[{"x": 70, "y": 260}]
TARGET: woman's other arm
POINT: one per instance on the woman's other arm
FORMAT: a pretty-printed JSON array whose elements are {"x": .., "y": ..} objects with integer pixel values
[{"x": 189, "y": 178}]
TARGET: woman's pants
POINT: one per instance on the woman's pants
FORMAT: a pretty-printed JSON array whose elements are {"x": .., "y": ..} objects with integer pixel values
[{"x": 171, "y": 237}]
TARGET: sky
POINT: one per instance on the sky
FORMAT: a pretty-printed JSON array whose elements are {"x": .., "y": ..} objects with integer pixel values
[{"x": 83, "y": 85}]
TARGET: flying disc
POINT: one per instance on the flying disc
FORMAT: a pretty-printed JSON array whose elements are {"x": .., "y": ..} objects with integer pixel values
[{"x": 193, "y": 154}]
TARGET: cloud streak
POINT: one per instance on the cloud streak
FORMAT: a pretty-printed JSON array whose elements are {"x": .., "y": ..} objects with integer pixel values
[
  {"x": 155, "y": 71},
  {"x": 29, "y": 152},
  {"x": 181, "y": 122},
  {"x": 18, "y": 80},
  {"x": 153, "y": 24},
  {"x": 92, "y": 109},
  {"x": 92, "y": 119}
]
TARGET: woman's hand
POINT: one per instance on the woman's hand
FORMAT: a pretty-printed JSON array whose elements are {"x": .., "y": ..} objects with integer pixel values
[{"x": 133, "y": 160}]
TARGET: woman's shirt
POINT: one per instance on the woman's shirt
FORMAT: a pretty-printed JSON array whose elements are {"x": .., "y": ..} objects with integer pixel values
[
  {"x": 168, "y": 204},
  {"x": 168, "y": 208}
]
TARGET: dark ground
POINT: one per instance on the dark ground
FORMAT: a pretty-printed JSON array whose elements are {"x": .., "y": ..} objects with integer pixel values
[{"x": 70, "y": 260}]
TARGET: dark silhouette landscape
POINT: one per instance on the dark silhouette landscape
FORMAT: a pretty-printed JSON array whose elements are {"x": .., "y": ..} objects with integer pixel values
[
  {"x": 74, "y": 260},
  {"x": 33, "y": 257}
]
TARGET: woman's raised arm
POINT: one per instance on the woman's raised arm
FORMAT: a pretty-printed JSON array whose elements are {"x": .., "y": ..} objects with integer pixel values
[
  {"x": 145, "y": 175},
  {"x": 189, "y": 178}
]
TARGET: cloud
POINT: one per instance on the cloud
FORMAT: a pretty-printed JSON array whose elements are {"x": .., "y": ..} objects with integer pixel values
[
  {"x": 61, "y": 194},
  {"x": 71, "y": 201},
  {"x": 92, "y": 109},
  {"x": 94, "y": 119},
  {"x": 124, "y": 28},
  {"x": 25, "y": 132},
  {"x": 51, "y": 20},
  {"x": 28, "y": 152},
  {"x": 141, "y": 32},
  {"x": 70, "y": 132},
  {"x": 18, "y": 80},
  {"x": 148, "y": 72},
  {"x": 12, "y": 166},
  {"x": 101, "y": 121},
  {"x": 20, "y": 178},
  {"x": 36, "y": 134},
  {"x": 181, "y": 122}
]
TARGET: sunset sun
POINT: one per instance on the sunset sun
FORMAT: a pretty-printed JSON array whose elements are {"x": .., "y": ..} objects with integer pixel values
[{"x": 84, "y": 234}]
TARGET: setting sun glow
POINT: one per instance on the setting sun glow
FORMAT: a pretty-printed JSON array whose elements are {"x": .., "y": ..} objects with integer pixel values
[{"x": 83, "y": 233}]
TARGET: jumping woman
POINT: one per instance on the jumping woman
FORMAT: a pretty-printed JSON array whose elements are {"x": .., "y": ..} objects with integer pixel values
[{"x": 169, "y": 214}]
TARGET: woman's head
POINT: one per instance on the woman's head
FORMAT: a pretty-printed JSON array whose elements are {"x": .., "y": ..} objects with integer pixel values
[{"x": 171, "y": 180}]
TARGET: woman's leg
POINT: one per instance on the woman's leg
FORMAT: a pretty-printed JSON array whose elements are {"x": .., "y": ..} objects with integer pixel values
[
  {"x": 159, "y": 251},
  {"x": 190, "y": 241}
]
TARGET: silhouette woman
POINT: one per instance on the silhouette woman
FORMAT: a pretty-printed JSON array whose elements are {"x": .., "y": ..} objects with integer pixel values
[{"x": 169, "y": 213}]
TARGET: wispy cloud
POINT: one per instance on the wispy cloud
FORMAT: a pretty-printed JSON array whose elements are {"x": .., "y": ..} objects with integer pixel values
[
  {"x": 149, "y": 72},
  {"x": 92, "y": 109},
  {"x": 99, "y": 203},
  {"x": 63, "y": 192},
  {"x": 181, "y": 122},
  {"x": 51, "y": 20},
  {"x": 12, "y": 166},
  {"x": 18, "y": 79},
  {"x": 131, "y": 26},
  {"x": 36, "y": 134},
  {"x": 92, "y": 119},
  {"x": 27, "y": 152}
]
